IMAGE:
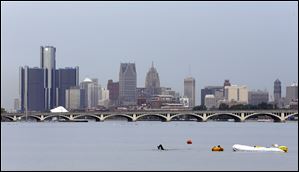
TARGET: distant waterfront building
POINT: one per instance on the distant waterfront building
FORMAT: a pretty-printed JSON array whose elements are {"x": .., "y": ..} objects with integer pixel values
[
  {"x": 258, "y": 97},
  {"x": 74, "y": 98},
  {"x": 127, "y": 84},
  {"x": 113, "y": 88},
  {"x": 32, "y": 91},
  {"x": 236, "y": 94},
  {"x": 184, "y": 101},
  {"x": 152, "y": 82},
  {"x": 217, "y": 91},
  {"x": 48, "y": 62},
  {"x": 277, "y": 92},
  {"x": 292, "y": 93},
  {"x": 91, "y": 88},
  {"x": 189, "y": 90},
  {"x": 210, "y": 101},
  {"x": 65, "y": 78},
  {"x": 167, "y": 91},
  {"x": 17, "y": 104},
  {"x": 226, "y": 83},
  {"x": 104, "y": 97}
]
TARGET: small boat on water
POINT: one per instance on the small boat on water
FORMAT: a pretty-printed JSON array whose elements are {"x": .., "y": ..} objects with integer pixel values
[
  {"x": 275, "y": 148},
  {"x": 217, "y": 148}
]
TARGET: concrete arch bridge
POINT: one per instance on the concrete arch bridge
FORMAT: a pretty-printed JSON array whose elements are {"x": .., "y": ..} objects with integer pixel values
[{"x": 201, "y": 116}]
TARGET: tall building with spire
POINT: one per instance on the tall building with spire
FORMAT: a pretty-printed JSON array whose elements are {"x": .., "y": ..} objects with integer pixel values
[
  {"x": 189, "y": 90},
  {"x": 127, "y": 84},
  {"x": 152, "y": 82}
]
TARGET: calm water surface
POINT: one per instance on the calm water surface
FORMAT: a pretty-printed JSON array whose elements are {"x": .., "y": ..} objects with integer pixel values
[{"x": 120, "y": 145}]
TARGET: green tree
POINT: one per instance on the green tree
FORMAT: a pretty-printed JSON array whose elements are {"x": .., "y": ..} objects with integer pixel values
[
  {"x": 223, "y": 106},
  {"x": 201, "y": 107}
]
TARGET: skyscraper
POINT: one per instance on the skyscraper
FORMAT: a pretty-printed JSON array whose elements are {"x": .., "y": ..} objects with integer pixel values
[
  {"x": 257, "y": 97},
  {"x": 65, "y": 78},
  {"x": 236, "y": 94},
  {"x": 226, "y": 83},
  {"x": 277, "y": 91},
  {"x": 74, "y": 98},
  {"x": 32, "y": 92},
  {"x": 113, "y": 88},
  {"x": 152, "y": 82},
  {"x": 91, "y": 88},
  {"x": 211, "y": 90},
  {"x": 48, "y": 62},
  {"x": 292, "y": 93},
  {"x": 189, "y": 90},
  {"x": 127, "y": 84}
]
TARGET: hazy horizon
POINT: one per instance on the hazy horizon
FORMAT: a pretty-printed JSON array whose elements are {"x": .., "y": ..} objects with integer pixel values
[{"x": 249, "y": 43}]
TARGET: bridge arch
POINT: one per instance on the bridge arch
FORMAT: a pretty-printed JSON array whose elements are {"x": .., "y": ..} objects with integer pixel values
[
  {"x": 163, "y": 118},
  {"x": 274, "y": 116},
  {"x": 32, "y": 116},
  {"x": 198, "y": 117},
  {"x": 57, "y": 115},
  {"x": 97, "y": 118},
  {"x": 122, "y": 115},
  {"x": 234, "y": 116},
  {"x": 7, "y": 117},
  {"x": 290, "y": 115}
]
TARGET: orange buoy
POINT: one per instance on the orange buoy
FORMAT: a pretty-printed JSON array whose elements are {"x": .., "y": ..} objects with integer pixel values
[{"x": 189, "y": 141}]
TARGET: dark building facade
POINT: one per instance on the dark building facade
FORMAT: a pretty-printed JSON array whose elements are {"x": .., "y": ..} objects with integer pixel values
[
  {"x": 32, "y": 91},
  {"x": 43, "y": 88},
  {"x": 65, "y": 78},
  {"x": 277, "y": 91},
  {"x": 258, "y": 97},
  {"x": 127, "y": 84},
  {"x": 209, "y": 90},
  {"x": 113, "y": 88}
]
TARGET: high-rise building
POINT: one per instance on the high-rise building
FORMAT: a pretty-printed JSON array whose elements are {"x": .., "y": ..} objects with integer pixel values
[
  {"x": 48, "y": 62},
  {"x": 210, "y": 101},
  {"x": 91, "y": 88},
  {"x": 292, "y": 93},
  {"x": 17, "y": 104},
  {"x": 258, "y": 97},
  {"x": 113, "y": 88},
  {"x": 152, "y": 82},
  {"x": 217, "y": 91},
  {"x": 226, "y": 83},
  {"x": 189, "y": 90},
  {"x": 32, "y": 91},
  {"x": 74, "y": 98},
  {"x": 127, "y": 84},
  {"x": 236, "y": 94},
  {"x": 104, "y": 97},
  {"x": 65, "y": 78},
  {"x": 277, "y": 91}
]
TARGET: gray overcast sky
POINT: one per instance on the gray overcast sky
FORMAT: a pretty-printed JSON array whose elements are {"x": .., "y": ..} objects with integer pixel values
[{"x": 249, "y": 43}]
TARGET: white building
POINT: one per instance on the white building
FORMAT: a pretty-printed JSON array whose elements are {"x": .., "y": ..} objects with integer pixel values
[
  {"x": 184, "y": 101},
  {"x": 104, "y": 97},
  {"x": 291, "y": 93},
  {"x": 210, "y": 101},
  {"x": 189, "y": 90},
  {"x": 236, "y": 94},
  {"x": 91, "y": 88}
]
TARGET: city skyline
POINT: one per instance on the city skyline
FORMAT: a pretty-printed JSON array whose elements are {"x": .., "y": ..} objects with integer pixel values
[{"x": 257, "y": 52}]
